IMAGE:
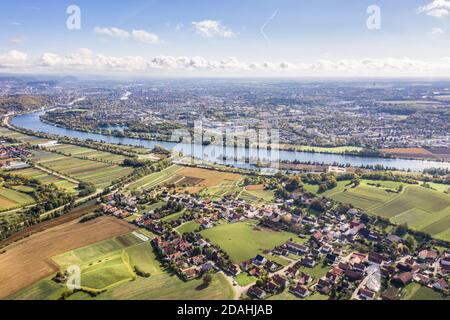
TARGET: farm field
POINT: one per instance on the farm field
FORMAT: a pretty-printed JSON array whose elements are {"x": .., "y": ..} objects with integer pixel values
[
  {"x": 415, "y": 291},
  {"x": 242, "y": 241},
  {"x": 421, "y": 208},
  {"x": 209, "y": 178},
  {"x": 5, "y": 132},
  {"x": 106, "y": 263},
  {"x": 47, "y": 179},
  {"x": 196, "y": 180},
  {"x": 100, "y": 174},
  {"x": 11, "y": 198},
  {"x": 17, "y": 272},
  {"x": 165, "y": 286},
  {"x": 409, "y": 152},
  {"x": 155, "y": 179},
  {"x": 110, "y": 262},
  {"x": 87, "y": 153},
  {"x": 324, "y": 149},
  {"x": 257, "y": 194}
]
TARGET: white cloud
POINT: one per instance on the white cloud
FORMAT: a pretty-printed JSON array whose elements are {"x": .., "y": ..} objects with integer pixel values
[
  {"x": 437, "y": 8},
  {"x": 145, "y": 37},
  {"x": 436, "y": 31},
  {"x": 137, "y": 35},
  {"x": 112, "y": 32},
  {"x": 212, "y": 28},
  {"x": 84, "y": 60},
  {"x": 13, "y": 59}
]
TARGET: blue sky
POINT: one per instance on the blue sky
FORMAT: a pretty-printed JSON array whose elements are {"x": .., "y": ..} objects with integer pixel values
[{"x": 301, "y": 31}]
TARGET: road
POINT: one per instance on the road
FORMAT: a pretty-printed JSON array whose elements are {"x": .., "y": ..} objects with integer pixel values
[
  {"x": 240, "y": 290},
  {"x": 56, "y": 174},
  {"x": 363, "y": 283}
]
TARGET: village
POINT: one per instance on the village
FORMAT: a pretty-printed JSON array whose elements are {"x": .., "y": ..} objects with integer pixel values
[
  {"x": 11, "y": 157},
  {"x": 359, "y": 259}
]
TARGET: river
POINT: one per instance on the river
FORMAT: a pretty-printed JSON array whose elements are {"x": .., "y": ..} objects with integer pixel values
[{"x": 235, "y": 156}]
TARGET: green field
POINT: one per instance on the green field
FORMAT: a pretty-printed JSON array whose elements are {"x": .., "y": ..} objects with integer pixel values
[
  {"x": 257, "y": 196},
  {"x": 317, "y": 272},
  {"x": 286, "y": 296},
  {"x": 421, "y": 208},
  {"x": 109, "y": 264},
  {"x": 226, "y": 188},
  {"x": 190, "y": 226},
  {"x": 87, "y": 153},
  {"x": 21, "y": 137},
  {"x": 46, "y": 178},
  {"x": 244, "y": 279},
  {"x": 169, "y": 287},
  {"x": 336, "y": 150},
  {"x": 415, "y": 291},
  {"x": 155, "y": 179},
  {"x": 13, "y": 199},
  {"x": 98, "y": 173},
  {"x": 242, "y": 241},
  {"x": 173, "y": 216},
  {"x": 218, "y": 192}
]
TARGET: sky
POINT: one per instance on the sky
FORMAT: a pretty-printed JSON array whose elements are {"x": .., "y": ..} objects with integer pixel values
[{"x": 227, "y": 37}]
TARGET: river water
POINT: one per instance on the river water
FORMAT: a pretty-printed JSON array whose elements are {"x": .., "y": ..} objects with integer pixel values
[{"x": 235, "y": 156}]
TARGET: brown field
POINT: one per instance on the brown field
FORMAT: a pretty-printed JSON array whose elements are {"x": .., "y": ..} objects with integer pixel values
[
  {"x": 409, "y": 152},
  {"x": 442, "y": 153},
  {"x": 209, "y": 177},
  {"x": 257, "y": 187},
  {"x": 191, "y": 181},
  {"x": 6, "y": 203},
  {"x": 29, "y": 260},
  {"x": 192, "y": 190},
  {"x": 76, "y": 213}
]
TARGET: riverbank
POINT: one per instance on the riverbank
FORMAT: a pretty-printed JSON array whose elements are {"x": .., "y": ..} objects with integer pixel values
[
  {"x": 417, "y": 153},
  {"x": 228, "y": 155}
]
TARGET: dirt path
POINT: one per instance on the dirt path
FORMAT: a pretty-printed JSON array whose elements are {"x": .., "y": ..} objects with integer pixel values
[{"x": 56, "y": 174}]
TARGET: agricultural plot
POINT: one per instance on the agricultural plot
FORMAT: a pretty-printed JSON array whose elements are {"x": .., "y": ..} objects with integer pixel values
[
  {"x": 87, "y": 153},
  {"x": 257, "y": 194},
  {"x": 336, "y": 150},
  {"x": 243, "y": 240},
  {"x": 155, "y": 179},
  {"x": 46, "y": 178},
  {"x": 17, "y": 272},
  {"x": 165, "y": 286},
  {"x": 422, "y": 209},
  {"x": 415, "y": 291},
  {"x": 100, "y": 174},
  {"x": 106, "y": 263},
  {"x": 21, "y": 137},
  {"x": 217, "y": 192},
  {"x": 210, "y": 183},
  {"x": 11, "y": 198},
  {"x": 110, "y": 266},
  {"x": 363, "y": 196},
  {"x": 210, "y": 178}
]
